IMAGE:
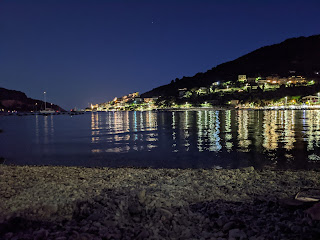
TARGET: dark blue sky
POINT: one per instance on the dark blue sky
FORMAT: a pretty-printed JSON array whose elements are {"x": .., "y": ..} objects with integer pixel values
[{"x": 91, "y": 51}]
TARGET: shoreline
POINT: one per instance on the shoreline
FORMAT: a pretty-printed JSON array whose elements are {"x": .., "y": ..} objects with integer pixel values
[
  {"x": 214, "y": 108},
  {"x": 54, "y": 202}
]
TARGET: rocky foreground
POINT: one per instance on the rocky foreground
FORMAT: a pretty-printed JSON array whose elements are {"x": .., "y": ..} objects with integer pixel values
[{"x": 127, "y": 203}]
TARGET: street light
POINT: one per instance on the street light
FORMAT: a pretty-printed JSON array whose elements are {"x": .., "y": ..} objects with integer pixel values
[{"x": 286, "y": 98}]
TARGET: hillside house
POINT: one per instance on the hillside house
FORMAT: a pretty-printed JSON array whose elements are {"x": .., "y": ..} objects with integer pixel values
[
  {"x": 310, "y": 99},
  {"x": 150, "y": 100},
  {"x": 296, "y": 80},
  {"x": 242, "y": 78},
  {"x": 182, "y": 92}
]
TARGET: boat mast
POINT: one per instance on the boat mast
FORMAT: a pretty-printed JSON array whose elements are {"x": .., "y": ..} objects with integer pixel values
[{"x": 45, "y": 103}]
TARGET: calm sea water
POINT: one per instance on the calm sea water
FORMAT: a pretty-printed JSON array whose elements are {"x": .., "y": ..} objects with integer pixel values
[{"x": 182, "y": 139}]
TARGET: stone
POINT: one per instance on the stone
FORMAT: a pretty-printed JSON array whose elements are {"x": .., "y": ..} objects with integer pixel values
[
  {"x": 228, "y": 226},
  {"x": 290, "y": 203},
  {"x": 41, "y": 234},
  {"x": 314, "y": 211},
  {"x": 8, "y": 235},
  {"x": 50, "y": 209},
  {"x": 85, "y": 236},
  {"x": 218, "y": 234},
  {"x": 142, "y": 196},
  {"x": 186, "y": 234},
  {"x": 95, "y": 216},
  {"x": 134, "y": 208},
  {"x": 237, "y": 234},
  {"x": 249, "y": 169},
  {"x": 220, "y": 222},
  {"x": 144, "y": 234},
  {"x": 61, "y": 238},
  {"x": 96, "y": 224},
  {"x": 165, "y": 213}
]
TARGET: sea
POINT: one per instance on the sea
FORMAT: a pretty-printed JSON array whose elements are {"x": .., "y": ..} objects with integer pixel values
[{"x": 278, "y": 139}]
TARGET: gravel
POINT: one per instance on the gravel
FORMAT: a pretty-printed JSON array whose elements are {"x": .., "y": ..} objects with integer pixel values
[{"x": 50, "y": 202}]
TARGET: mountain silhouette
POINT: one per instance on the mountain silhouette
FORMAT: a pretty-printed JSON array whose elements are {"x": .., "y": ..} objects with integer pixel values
[
  {"x": 294, "y": 56},
  {"x": 11, "y": 100}
]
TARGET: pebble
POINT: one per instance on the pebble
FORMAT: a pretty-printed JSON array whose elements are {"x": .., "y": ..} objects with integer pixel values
[
  {"x": 237, "y": 234},
  {"x": 228, "y": 226},
  {"x": 54, "y": 203},
  {"x": 142, "y": 196}
]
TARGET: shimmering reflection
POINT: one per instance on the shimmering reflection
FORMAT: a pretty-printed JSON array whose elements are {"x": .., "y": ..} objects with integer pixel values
[
  {"x": 123, "y": 131},
  {"x": 243, "y": 131},
  {"x": 289, "y": 129},
  {"x": 94, "y": 127},
  {"x": 181, "y": 139},
  {"x": 270, "y": 133},
  {"x": 272, "y": 136},
  {"x": 174, "y": 133},
  {"x": 37, "y": 128},
  {"x": 208, "y": 125},
  {"x": 279, "y": 129},
  {"x": 139, "y": 130},
  {"x": 48, "y": 128},
  {"x": 44, "y": 135},
  {"x": 186, "y": 130},
  {"x": 228, "y": 131},
  {"x": 313, "y": 123},
  {"x": 200, "y": 131},
  {"x": 214, "y": 132}
]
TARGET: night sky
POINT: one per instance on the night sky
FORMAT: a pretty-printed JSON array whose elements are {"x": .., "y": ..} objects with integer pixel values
[{"x": 83, "y": 52}]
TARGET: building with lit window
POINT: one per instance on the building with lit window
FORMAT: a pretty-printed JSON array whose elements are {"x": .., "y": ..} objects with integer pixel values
[
  {"x": 242, "y": 78},
  {"x": 310, "y": 99}
]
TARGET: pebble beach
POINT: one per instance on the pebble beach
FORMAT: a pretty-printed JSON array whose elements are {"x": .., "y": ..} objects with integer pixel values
[{"x": 53, "y": 202}]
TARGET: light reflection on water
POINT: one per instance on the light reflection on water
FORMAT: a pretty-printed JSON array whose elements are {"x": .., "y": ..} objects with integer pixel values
[
  {"x": 276, "y": 136},
  {"x": 123, "y": 131},
  {"x": 230, "y": 138}
]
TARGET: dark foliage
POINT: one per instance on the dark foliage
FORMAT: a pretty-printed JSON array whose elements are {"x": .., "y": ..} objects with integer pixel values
[{"x": 301, "y": 55}]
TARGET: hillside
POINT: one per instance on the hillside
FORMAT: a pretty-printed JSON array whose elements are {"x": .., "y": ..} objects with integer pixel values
[
  {"x": 11, "y": 100},
  {"x": 301, "y": 55}
]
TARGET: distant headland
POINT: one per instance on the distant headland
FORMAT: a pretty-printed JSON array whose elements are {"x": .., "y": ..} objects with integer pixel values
[{"x": 16, "y": 101}]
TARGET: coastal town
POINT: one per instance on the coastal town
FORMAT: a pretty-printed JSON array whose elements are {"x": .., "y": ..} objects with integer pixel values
[
  {"x": 160, "y": 120},
  {"x": 233, "y": 94}
]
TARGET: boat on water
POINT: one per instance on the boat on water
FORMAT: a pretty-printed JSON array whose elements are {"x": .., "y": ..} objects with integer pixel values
[
  {"x": 46, "y": 111},
  {"x": 76, "y": 111}
]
